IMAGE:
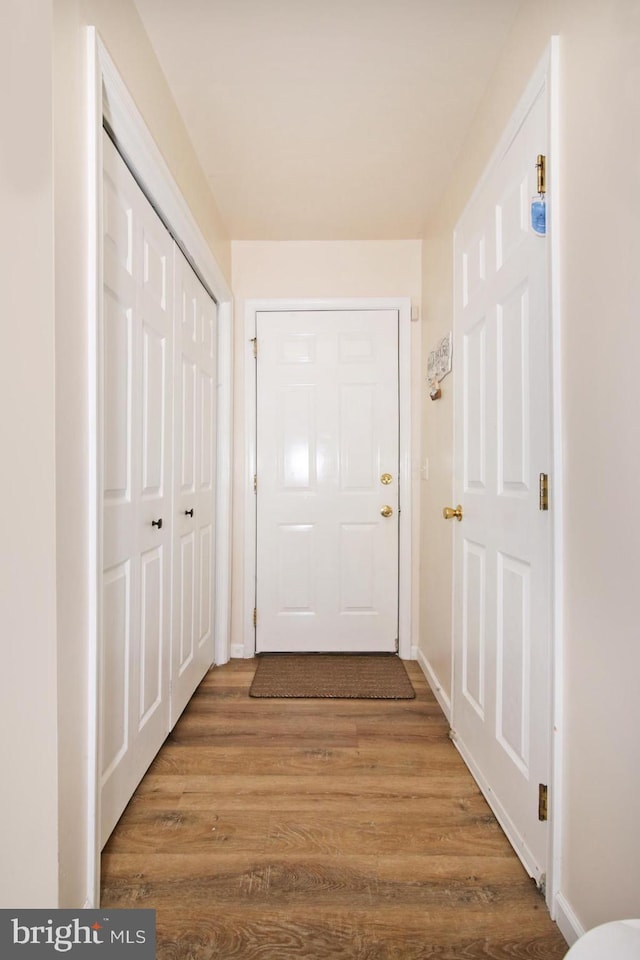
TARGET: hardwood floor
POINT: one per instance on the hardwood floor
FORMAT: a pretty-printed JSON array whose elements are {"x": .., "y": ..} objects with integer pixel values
[{"x": 344, "y": 829}]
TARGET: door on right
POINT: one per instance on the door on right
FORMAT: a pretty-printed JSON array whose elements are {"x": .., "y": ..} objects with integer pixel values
[{"x": 503, "y": 543}]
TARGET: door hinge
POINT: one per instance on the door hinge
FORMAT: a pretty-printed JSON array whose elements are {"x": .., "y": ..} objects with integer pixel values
[
  {"x": 544, "y": 491},
  {"x": 255, "y": 483},
  {"x": 254, "y": 341},
  {"x": 541, "y": 170},
  {"x": 543, "y": 797},
  {"x": 255, "y": 617}
]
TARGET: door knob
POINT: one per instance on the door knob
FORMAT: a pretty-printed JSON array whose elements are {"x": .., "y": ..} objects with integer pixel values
[
  {"x": 157, "y": 523},
  {"x": 449, "y": 513},
  {"x": 386, "y": 511},
  {"x": 189, "y": 513}
]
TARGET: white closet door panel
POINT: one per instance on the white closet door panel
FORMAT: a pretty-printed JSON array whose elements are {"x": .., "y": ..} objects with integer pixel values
[
  {"x": 186, "y": 600},
  {"x": 136, "y": 424},
  {"x": 154, "y": 412},
  {"x": 205, "y": 592},
  {"x": 118, "y": 376},
  {"x": 194, "y": 443},
  {"x": 116, "y": 665},
  {"x": 207, "y": 432}
]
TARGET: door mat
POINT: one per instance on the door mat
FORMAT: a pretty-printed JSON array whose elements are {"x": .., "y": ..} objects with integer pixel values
[{"x": 338, "y": 676}]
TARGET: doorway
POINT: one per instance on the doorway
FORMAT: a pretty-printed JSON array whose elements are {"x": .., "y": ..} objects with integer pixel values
[{"x": 359, "y": 319}]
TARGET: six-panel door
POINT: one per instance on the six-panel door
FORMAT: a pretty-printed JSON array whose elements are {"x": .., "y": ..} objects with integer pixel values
[
  {"x": 502, "y": 613},
  {"x": 194, "y": 472},
  {"x": 327, "y": 433},
  {"x": 137, "y": 343}
]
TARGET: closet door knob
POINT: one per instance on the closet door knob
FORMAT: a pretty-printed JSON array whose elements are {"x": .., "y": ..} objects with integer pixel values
[
  {"x": 189, "y": 513},
  {"x": 157, "y": 523}
]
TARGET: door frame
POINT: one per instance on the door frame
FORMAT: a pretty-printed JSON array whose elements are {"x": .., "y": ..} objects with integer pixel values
[
  {"x": 109, "y": 99},
  {"x": 403, "y": 307},
  {"x": 544, "y": 79}
]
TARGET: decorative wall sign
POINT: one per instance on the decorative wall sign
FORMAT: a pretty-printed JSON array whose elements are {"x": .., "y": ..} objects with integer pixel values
[{"x": 438, "y": 365}]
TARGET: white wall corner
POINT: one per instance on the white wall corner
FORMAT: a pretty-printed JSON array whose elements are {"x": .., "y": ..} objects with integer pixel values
[
  {"x": 434, "y": 683},
  {"x": 567, "y": 921}
]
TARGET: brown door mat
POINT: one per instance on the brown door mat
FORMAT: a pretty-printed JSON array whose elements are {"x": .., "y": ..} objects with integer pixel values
[{"x": 335, "y": 675}]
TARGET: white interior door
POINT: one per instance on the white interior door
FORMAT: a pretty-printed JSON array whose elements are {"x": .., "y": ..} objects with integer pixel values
[
  {"x": 136, "y": 452},
  {"x": 502, "y": 613},
  {"x": 327, "y": 466},
  {"x": 194, "y": 463}
]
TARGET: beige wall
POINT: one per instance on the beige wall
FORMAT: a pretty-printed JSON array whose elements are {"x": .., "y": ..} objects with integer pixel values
[
  {"x": 600, "y": 253},
  {"x": 27, "y": 480},
  {"x": 321, "y": 269},
  {"x": 121, "y": 31}
]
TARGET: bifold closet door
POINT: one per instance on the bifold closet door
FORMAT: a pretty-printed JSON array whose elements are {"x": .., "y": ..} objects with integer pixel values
[
  {"x": 137, "y": 350},
  {"x": 195, "y": 384}
]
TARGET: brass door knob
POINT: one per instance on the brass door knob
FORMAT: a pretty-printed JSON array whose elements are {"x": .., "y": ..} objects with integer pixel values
[
  {"x": 386, "y": 511},
  {"x": 449, "y": 513}
]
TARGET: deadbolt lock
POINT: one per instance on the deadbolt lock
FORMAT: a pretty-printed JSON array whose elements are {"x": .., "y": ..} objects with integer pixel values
[{"x": 386, "y": 478}]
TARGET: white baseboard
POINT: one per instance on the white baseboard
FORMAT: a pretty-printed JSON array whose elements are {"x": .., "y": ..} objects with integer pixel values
[
  {"x": 568, "y": 923},
  {"x": 432, "y": 680},
  {"x": 237, "y": 651}
]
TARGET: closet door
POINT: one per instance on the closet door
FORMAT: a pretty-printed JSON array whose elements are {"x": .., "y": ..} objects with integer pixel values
[
  {"x": 136, "y": 449},
  {"x": 195, "y": 385}
]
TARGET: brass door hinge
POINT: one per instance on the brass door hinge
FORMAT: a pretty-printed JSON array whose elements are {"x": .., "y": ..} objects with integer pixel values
[
  {"x": 541, "y": 170},
  {"x": 543, "y": 797},
  {"x": 255, "y": 617},
  {"x": 544, "y": 491},
  {"x": 255, "y": 483},
  {"x": 254, "y": 341}
]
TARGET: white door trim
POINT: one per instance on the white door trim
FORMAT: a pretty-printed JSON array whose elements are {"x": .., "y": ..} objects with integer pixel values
[
  {"x": 545, "y": 78},
  {"x": 556, "y": 800},
  {"x": 108, "y": 98},
  {"x": 403, "y": 306}
]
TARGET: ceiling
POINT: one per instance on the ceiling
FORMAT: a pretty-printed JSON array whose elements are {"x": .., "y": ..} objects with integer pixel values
[{"x": 327, "y": 119}]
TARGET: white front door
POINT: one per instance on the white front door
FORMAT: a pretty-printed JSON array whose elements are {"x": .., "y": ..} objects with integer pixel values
[
  {"x": 194, "y": 472},
  {"x": 327, "y": 481},
  {"x": 136, "y": 457},
  {"x": 502, "y": 607}
]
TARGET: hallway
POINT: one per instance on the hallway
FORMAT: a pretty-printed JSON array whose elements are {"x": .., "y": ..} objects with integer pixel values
[{"x": 345, "y": 829}]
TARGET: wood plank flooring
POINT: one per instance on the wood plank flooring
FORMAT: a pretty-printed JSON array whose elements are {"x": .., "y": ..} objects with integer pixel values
[{"x": 337, "y": 829}]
